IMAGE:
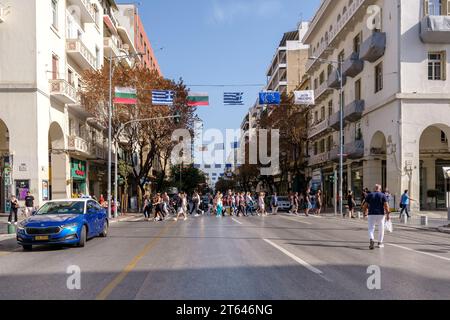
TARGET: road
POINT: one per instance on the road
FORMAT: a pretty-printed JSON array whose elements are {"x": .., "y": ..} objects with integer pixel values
[{"x": 275, "y": 257}]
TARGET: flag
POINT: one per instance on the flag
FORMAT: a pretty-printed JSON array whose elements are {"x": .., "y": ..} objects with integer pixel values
[
  {"x": 235, "y": 145},
  {"x": 125, "y": 96},
  {"x": 305, "y": 97},
  {"x": 163, "y": 98},
  {"x": 233, "y": 98},
  {"x": 269, "y": 98},
  {"x": 198, "y": 99}
]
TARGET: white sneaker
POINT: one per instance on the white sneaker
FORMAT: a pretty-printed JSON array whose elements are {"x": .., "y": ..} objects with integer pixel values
[
  {"x": 185, "y": 219},
  {"x": 9, "y": 222},
  {"x": 15, "y": 223},
  {"x": 380, "y": 245},
  {"x": 176, "y": 219}
]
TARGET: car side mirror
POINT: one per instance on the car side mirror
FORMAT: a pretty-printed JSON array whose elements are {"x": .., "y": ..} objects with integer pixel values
[{"x": 33, "y": 212}]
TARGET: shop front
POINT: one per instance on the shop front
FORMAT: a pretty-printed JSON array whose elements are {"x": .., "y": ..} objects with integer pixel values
[{"x": 78, "y": 177}]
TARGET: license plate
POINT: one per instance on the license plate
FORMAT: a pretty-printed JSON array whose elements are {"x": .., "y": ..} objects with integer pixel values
[{"x": 41, "y": 238}]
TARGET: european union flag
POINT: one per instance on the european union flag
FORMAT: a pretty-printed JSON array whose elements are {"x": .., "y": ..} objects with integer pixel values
[{"x": 269, "y": 98}]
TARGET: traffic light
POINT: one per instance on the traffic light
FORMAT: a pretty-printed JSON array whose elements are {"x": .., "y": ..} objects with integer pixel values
[{"x": 177, "y": 116}]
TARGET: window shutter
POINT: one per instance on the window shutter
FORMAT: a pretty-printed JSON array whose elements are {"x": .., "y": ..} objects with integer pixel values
[
  {"x": 444, "y": 65},
  {"x": 426, "y": 7},
  {"x": 447, "y": 7}
]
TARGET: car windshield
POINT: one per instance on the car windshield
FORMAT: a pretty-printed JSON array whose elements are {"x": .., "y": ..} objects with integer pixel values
[{"x": 70, "y": 207}]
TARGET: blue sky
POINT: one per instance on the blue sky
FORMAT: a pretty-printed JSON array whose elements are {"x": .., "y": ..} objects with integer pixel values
[{"x": 219, "y": 42}]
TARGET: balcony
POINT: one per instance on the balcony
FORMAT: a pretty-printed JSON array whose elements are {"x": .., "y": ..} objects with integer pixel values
[
  {"x": 353, "y": 65},
  {"x": 62, "y": 91},
  {"x": 354, "y": 111},
  {"x": 435, "y": 29},
  {"x": 80, "y": 54},
  {"x": 353, "y": 151},
  {"x": 86, "y": 10},
  {"x": 319, "y": 159},
  {"x": 110, "y": 48},
  {"x": 353, "y": 13},
  {"x": 318, "y": 129},
  {"x": 374, "y": 47},
  {"x": 100, "y": 153},
  {"x": 334, "y": 81},
  {"x": 79, "y": 146},
  {"x": 322, "y": 91},
  {"x": 334, "y": 121}
]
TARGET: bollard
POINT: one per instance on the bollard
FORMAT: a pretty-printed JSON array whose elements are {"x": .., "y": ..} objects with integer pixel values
[
  {"x": 359, "y": 215},
  {"x": 11, "y": 229},
  {"x": 424, "y": 220}
]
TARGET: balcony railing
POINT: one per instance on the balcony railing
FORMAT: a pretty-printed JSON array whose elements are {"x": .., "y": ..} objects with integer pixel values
[
  {"x": 318, "y": 129},
  {"x": 374, "y": 47},
  {"x": 319, "y": 159},
  {"x": 323, "y": 89},
  {"x": 110, "y": 47},
  {"x": 353, "y": 150},
  {"x": 354, "y": 111},
  {"x": 435, "y": 29},
  {"x": 86, "y": 10},
  {"x": 62, "y": 91},
  {"x": 334, "y": 80},
  {"x": 353, "y": 65},
  {"x": 334, "y": 121},
  {"x": 77, "y": 50},
  {"x": 79, "y": 146}
]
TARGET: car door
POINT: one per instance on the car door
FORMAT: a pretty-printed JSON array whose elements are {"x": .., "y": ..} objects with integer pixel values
[
  {"x": 101, "y": 217},
  {"x": 91, "y": 218}
]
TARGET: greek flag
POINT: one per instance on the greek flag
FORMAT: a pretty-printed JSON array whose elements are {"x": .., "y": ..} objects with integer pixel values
[
  {"x": 162, "y": 98},
  {"x": 233, "y": 98}
]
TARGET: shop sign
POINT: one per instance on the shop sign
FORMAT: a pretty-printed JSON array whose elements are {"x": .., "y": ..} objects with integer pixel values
[{"x": 78, "y": 169}]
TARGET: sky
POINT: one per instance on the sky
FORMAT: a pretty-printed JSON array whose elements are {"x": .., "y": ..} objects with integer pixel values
[{"x": 220, "y": 42}]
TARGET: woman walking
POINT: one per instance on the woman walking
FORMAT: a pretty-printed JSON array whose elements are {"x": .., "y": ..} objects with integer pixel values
[
  {"x": 148, "y": 206},
  {"x": 261, "y": 205},
  {"x": 308, "y": 205},
  {"x": 13, "y": 210},
  {"x": 351, "y": 204},
  {"x": 219, "y": 204},
  {"x": 318, "y": 202},
  {"x": 181, "y": 206}
]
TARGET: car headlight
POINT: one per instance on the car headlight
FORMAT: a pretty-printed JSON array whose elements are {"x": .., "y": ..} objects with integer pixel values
[
  {"x": 70, "y": 226},
  {"x": 21, "y": 226}
]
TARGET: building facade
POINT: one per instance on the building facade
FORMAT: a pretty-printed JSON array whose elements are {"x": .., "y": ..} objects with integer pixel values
[
  {"x": 49, "y": 144},
  {"x": 396, "y": 97}
]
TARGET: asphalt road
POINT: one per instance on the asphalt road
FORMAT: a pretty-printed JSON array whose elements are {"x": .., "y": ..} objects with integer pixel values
[{"x": 275, "y": 257}]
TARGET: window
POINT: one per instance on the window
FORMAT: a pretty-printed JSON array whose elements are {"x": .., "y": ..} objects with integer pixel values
[
  {"x": 436, "y": 65},
  {"x": 330, "y": 143},
  {"x": 316, "y": 116},
  {"x": 214, "y": 174},
  {"x": 218, "y": 166},
  {"x": 379, "y": 77},
  {"x": 444, "y": 137},
  {"x": 315, "y": 148},
  {"x": 341, "y": 56},
  {"x": 55, "y": 13},
  {"x": 322, "y": 77},
  {"x": 358, "y": 132},
  {"x": 322, "y": 146},
  {"x": 316, "y": 85},
  {"x": 358, "y": 90},
  {"x": 97, "y": 57},
  {"x": 436, "y": 7},
  {"x": 330, "y": 70},
  {"x": 357, "y": 43},
  {"x": 207, "y": 166},
  {"x": 330, "y": 108},
  {"x": 322, "y": 114},
  {"x": 70, "y": 77},
  {"x": 55, "y": 63}
]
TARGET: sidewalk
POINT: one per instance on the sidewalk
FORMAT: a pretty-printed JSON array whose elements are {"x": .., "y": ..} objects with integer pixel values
[
  {"x": 4, "y": 223},
  {"x": 437, "y": 220}
]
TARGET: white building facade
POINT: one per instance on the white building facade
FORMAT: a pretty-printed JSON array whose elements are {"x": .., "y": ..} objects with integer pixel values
[
  {"x": 49, "y": 144},
  {"x": 396, "y": 94}
]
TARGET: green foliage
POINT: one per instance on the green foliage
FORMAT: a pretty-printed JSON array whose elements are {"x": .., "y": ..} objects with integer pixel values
[{"x": 191, "y": 178}]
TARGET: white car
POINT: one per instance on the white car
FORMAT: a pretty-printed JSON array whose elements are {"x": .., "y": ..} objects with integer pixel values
[{"x": 284, "y": 204}]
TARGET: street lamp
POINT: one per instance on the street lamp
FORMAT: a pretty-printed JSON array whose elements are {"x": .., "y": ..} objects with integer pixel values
[
  {"x": 338, "y": 66},
  {"x": 111, "y": 59}
]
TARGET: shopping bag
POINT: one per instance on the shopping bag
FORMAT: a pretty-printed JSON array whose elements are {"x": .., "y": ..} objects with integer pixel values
[{"x": 388, "y": 226}]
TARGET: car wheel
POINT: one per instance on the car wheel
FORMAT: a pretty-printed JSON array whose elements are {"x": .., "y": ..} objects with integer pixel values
[
  {"x": 83, "y": 236},
  {"x": 27, "y": 247},
  {"x": 104, "y": 233}
]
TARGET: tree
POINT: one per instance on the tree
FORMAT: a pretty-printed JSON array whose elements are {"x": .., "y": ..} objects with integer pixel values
[
  {"x": 149, "y": 141},
  {"x": 191, "y": 178},
  {"x": 223, "y": 185}
]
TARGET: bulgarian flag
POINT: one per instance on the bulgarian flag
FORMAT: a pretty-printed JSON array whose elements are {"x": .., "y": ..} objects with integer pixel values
[
  {"x": 125, "y": 96},
  {"x": 198, "y": 99}
]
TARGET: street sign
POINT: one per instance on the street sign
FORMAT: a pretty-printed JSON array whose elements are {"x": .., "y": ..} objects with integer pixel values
[{"x": 305, "y": 97}]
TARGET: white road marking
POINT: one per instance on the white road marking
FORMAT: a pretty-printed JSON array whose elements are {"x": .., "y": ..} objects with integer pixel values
[
  {"x": 413, "y": 250},
  {"x": 297, "y": 259},
  {"x": 293, "y": 218},
  {"x": 236, "y": 221}
]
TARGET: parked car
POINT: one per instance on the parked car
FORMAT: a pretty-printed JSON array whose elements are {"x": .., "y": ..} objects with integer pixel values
[
  {"x": 284, "y": 204},
  {"x": 63, "y": 222}
]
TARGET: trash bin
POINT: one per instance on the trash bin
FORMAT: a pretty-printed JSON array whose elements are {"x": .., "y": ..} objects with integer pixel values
[
  {"x": 424, "y": 220},
  {"x": 11, "y": 229}
]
